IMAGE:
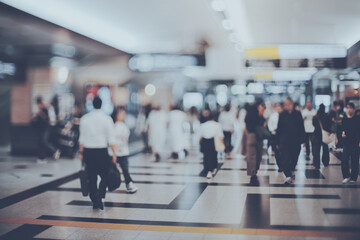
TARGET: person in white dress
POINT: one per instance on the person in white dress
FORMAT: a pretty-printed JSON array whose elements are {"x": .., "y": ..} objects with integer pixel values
[
  {"x": 308, "y": 114},
  {"x": 178, "y": 138},
  {"x": 227, "y": 119},
  {"x": 272, "y": 125},
  {"x": 121, "y": 142},
  {"x": 239, "y": 126},
  {"x": 157, "y": 124}
]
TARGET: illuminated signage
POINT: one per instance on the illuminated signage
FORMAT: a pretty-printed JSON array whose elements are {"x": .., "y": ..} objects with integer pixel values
[
  {"x": 164, "y": 62},
  {"x": 7, "y": 69}
]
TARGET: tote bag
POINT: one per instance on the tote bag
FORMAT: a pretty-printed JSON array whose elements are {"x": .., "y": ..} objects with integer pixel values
[
  {"x": 219, "y": 145},
  {"x": 327, "y": 137}
]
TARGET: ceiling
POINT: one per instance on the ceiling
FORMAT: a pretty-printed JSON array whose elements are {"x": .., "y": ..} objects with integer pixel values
[
  {"x": 133, "y": 25},
  {"x": 181, "y": 26},
  {"x": 139, "y": 26},
  {"x": 298, "y": 21}
]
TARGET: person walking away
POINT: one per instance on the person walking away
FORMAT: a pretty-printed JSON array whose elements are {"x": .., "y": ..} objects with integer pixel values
[
  {"x": 42, "y": 125},
  {"x": 177, "y": 118},
  {"x": 253, "y": 145},
  {"x": 321, "y": 122},
  {"x": 227, "y": 119},
  {"x": 157, "y": 124},
  {"x": 308, "y": 114},
  {"x": 273, "y": 124},
  {"x": 351, "y": 145},
  {"x": 290, "y": 135},
  {"x": 140, "y": 128},
  {"x": 121, "y": 142},
  {"x": 96, "y": 134},
  {"x": 209, "y": 130}
]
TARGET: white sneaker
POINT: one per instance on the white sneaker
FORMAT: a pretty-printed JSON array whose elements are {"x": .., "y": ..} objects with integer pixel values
[
  {"x": 131, "y": 187},
  {"x": 352, "y": 181},
  {"x": 57, "y": 154},
  {"x": 346, "y": 180},
  {"x": 40, "y": 161},
  {"x": 209, "y": 175},
  {"x": 214, "y": 172},
  {"x": 288, "y": 180}
]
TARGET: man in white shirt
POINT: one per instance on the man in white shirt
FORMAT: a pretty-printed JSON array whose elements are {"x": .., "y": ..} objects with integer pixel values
[
  {"x": 96, "y": 134},
  {"x": 308, "y": 114}
]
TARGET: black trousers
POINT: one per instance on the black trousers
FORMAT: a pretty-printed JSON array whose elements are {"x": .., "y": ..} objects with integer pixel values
[
  {"x": 309, "y": 139},
  {"x": 97, "y": 163},
  {"x": 289, "y": 155},
  {"x": 317, "y": 144},
  {"x": 276, "y": 151},
  {"x": 227, "y": 141},
  {"x": 350, "y": 153},
  {"x": 44, "y": 145},
  {"x": 339, "y": 138},
  {"x": 124, "y": 164},
  {"x": 210, "y": 154}
]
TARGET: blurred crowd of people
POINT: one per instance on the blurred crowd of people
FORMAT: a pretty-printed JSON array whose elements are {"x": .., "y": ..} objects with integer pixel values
[{"x": 255, "y": 131}]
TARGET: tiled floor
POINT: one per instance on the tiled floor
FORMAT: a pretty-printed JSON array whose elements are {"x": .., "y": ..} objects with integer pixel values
[{"x": 43, "y": 201}]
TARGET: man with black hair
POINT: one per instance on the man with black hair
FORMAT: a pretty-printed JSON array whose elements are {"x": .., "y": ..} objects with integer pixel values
[
  {"x": 351, "y": 139},
  {"x": 96, "y": 134},
  {"x": 289, "y": 137}
]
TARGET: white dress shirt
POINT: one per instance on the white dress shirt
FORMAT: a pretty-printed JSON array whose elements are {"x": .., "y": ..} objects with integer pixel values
[
  {"x": 227, "y": 119},
  {"x": 121, "y": 140},
  {"x": 211, "y": 129},
  {"x": 96, "y": 130},
  {"x": 308, "y": 117},
  {"x": 273, "y": 122}
]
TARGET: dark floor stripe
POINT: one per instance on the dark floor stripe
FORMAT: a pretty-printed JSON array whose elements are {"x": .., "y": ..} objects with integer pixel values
[
  {"x": 305, "y": 196},
  {"x": 315, "y": 228},
  {"x": 244, "y": 169},
  {"x": 347, "y": 211},
  {"x": 162, "y": 182},
  {"x": 149, "y": 167},
  {"x": 120, "y": 205},
  {"x": 164, "y": 174},
  {"x": 313, "y": 174},
  {"x": 21, "y": 196},
  {"x": 187, "y": 198},
  {"x": 256, "y": 211},
  {"x": 299, "y": 185},
  {"x": 24, "y": 232},
  {"x": 138, "y": 222},
  {"x": 64, "y": 189}
]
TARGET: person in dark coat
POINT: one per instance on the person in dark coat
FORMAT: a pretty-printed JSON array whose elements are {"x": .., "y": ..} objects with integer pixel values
[
  {"x": 289, "y": 137},
  {"x": 253, "y": 147},
  {"x": 321, "y": 121},
  {"x": 351, "y": 144}
]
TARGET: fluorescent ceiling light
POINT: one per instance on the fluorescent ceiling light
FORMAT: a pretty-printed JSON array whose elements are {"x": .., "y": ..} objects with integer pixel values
[
  {"x": 284, "y": 75},
  {"x": 218, "y": 5},
  {"x": 227, "y": 24},
  {"x": 297, "y": 51}
]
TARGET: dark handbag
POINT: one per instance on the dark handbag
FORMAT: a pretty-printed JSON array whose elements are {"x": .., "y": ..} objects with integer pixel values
[
  {"x": 84, "y": 181},
  {"x": 113, "y": 178},
  {"x": 262, "y": 132}
]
